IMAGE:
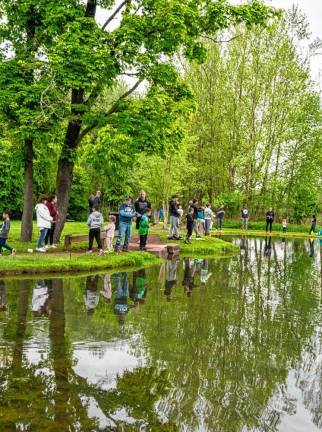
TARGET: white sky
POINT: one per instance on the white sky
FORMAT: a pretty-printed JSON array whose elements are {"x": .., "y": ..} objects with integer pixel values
[{"x": 313, "y": 10}]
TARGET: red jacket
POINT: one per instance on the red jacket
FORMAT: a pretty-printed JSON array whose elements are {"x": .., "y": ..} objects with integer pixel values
[{"x": 52, "y": 211}]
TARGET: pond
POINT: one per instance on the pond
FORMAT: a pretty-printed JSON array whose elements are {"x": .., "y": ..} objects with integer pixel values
[{"x": 225, "y": 345}]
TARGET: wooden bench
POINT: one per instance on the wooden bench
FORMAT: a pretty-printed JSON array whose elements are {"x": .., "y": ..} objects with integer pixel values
[{"x": 70, "y": 239}]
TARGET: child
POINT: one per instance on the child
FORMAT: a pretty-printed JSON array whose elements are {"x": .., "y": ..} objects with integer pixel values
[
  {"x": 107, "y": 290},
  {"x": 201, "y": 220},
  {"x": 144, "y": 228},
  {"x": 44, "y": 221},
  {"x": 190, "y": 223},
  {"x": 4, "y": 232},
  {"x": 220, "y": 217},
  {"x": 313, "y": 225},
  {"x": 284, "y": 225},
  {"x": 110, "y": 231},
  {"x": 127, "y": 213},
  {"x": 95, "y": 221},
  {"x": 208, "y": 218}
]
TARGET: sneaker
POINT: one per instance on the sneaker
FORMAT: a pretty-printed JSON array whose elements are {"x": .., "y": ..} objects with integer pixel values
[
  {"x": 41, "y": 249},
  {"x": 13, "y": 252},
  {"x": 89, "y": 252},
  {"x": 53, "y": 247},
  {"x": 47, "y": 247}
]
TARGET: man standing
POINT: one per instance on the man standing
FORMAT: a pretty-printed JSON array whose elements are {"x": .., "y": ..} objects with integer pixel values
[
  {"x": 97, "y": 199},
  {"x": 174, "y": 218},
  {"x": 126, "y": 214},
  {"x": 140, "y": 205}
]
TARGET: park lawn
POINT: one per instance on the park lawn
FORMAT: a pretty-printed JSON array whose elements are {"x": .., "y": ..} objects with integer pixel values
[{"x": 63, "y": 262}]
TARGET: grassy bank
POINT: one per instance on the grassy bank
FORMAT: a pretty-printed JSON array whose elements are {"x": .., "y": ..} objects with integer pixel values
[
  {"x": 259, "y": 226},
  {"x": 207, "y": 246},
  {"x": 63, "y": 262}
]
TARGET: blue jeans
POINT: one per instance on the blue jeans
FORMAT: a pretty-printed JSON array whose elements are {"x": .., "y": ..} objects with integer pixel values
[
  {"x": 42, "y": 236},
  {"x": 125, "y": 229},
  {"x": 4, "y": 245},
  {"x": 219, "y": 223}
]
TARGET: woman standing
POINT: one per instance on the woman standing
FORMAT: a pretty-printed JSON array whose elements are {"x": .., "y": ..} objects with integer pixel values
[
  {"x": 44, "y": 221},
  {"x": 51, "y": 204}
]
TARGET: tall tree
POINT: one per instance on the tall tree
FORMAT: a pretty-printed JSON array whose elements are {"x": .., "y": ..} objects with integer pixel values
[{"x": 88, "y": 59}]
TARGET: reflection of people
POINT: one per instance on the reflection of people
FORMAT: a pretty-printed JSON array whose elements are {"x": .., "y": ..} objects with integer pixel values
[
  {"x": 121, "y": 307},
  {"x": 243, "y": 245},
  {"x": 311, "y": 243},
  {"x": 284, "y": 225},
  {"x": 171, "y": 277},
  {"x": 3, "y": 296},
  {"x": 188, "y": 276},
  {"x": 107, "y": 288},
  {"x": 268, "y": 247},
  {"x": 40, "y": 296},
  {"x": 91, "y": 296},
  {"x": 204, "y": 273},
  {"x": 139, "y": 291}
]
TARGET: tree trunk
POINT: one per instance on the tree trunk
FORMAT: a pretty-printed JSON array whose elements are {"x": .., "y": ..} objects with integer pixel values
[
  {"x": 68, "y": 153},
  {"x": 65, "y": 175},
  {"x": 26, "y": 223}
]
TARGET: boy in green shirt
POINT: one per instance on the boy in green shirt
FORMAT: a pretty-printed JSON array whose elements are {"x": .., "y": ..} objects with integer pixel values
[{"x": 144, "y": 228}]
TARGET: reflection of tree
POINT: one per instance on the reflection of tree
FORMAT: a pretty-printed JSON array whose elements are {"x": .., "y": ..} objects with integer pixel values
[
  {"x": 228, "y": 352},
  {"x": 56, "y": 398}
]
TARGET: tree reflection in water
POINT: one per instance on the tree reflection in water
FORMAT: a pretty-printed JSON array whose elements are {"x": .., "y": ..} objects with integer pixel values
[{"x": 222, "y": 355}]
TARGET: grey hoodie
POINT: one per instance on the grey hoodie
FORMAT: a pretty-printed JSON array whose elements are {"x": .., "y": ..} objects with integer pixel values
[
  {"x": 4, "y": 229},
  {"x": 95, "y": 220}
]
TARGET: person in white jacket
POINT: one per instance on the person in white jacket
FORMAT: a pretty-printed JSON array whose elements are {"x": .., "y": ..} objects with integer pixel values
[{"x": 44, "y": 221}]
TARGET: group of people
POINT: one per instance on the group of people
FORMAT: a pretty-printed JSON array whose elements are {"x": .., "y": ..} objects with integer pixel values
[
  {"x": 140, "y": 211},
  {"x": 198, "y": 219}
]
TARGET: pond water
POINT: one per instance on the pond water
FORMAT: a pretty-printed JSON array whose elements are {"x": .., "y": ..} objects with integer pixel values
[{"x": 223, "y": 345}]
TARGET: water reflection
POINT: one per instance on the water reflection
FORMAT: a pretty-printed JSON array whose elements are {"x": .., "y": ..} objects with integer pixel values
[{"x": 109, "y": 352}]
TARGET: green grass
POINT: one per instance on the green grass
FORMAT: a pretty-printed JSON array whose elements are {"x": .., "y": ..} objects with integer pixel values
[
  {"x": 259, "y": 226},
  {"x": 207, "y": 246},
  {"x": 72, "y": 262}
]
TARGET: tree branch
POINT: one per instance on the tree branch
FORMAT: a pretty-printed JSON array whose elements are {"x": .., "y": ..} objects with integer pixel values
[
  {"x": 110, "y": 111},
  {"x": 114, "y": 14},
  {"x": 221, "y": 41}
]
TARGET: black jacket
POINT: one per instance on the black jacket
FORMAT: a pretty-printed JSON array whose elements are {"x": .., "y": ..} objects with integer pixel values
[
  {"x": 173, "y": 209},
  {"x": 140, "y": 205}
]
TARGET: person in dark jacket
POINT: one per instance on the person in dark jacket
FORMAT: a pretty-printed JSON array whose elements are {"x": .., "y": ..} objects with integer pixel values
[
  {"x": 174, "y": 218},
  {"x": 220, "y": 216},
  {"x": 195, "y": 206},
  {"x": 190, "y": 222},
  {"x": 270, "y": 216},
  {"x": 313, "y": 225},
  {"x": 51, "y": 204},
  {"x": 140, "y": 205},
  {"x": 91, "y": 203},
  {"x": 4, "y": 233},
  {"x": 97, "y": 199}
]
